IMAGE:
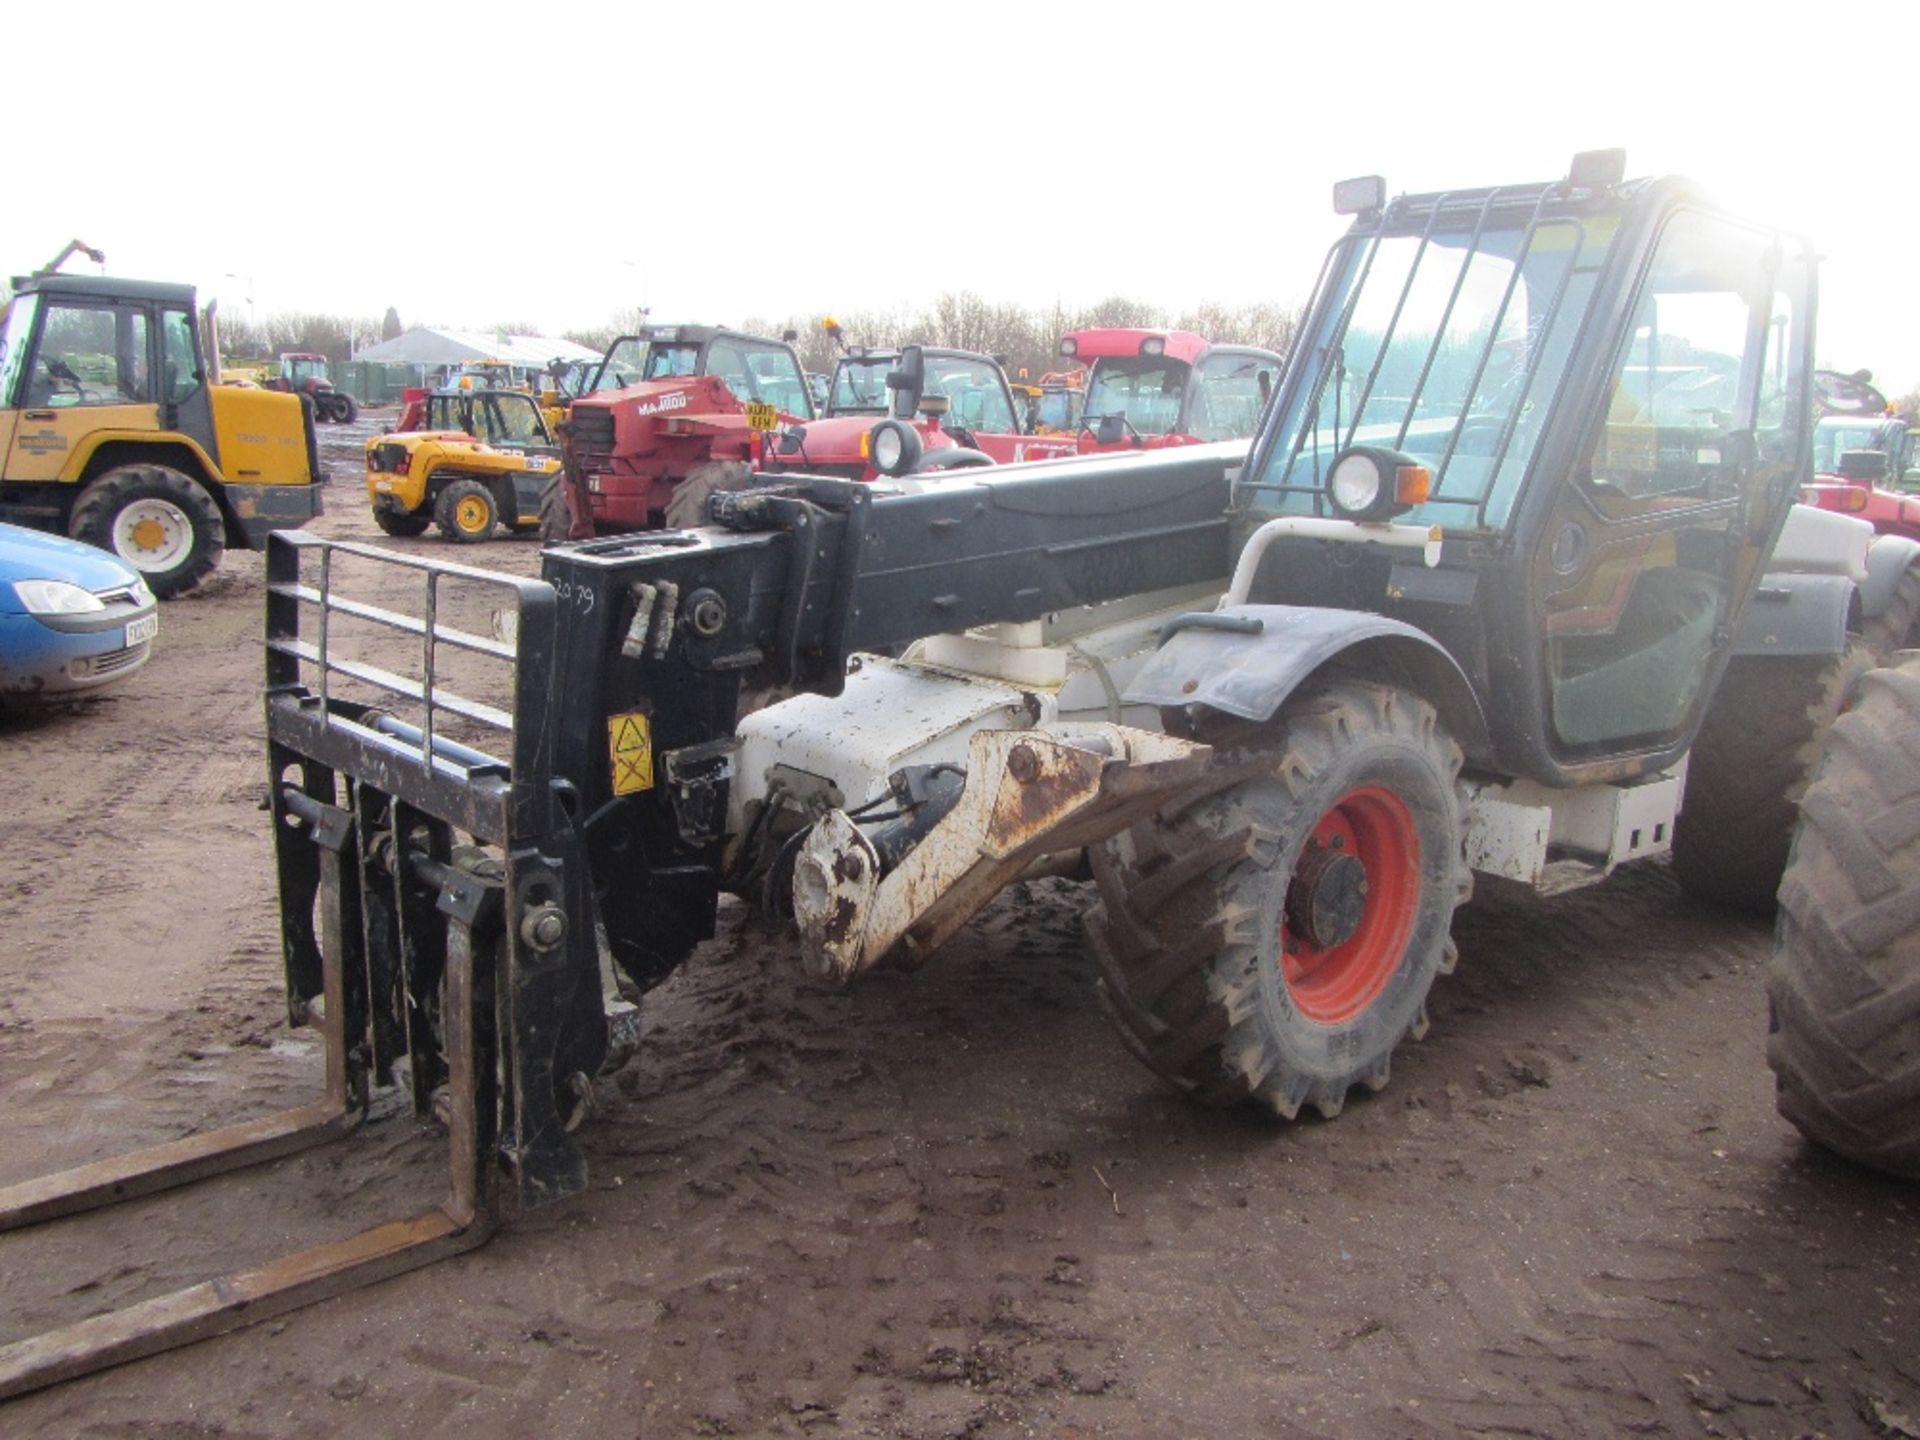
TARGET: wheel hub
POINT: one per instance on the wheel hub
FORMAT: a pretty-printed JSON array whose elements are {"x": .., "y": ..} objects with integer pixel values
[
  {"x": 1328, "y": 897},
  {"x": 149, "y": 534}
]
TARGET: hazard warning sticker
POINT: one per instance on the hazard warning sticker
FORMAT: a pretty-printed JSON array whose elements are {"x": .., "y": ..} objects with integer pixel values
[{"x": 630, "y": 747}]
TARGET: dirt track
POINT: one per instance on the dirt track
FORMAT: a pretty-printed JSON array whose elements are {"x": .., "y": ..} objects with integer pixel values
[{"x": 943, "y": 1204}]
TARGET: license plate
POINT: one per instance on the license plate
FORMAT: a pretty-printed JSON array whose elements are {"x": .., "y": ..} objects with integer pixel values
[
  {"x": 142, "y": 630},
  {"x": 762, "y": 416}
]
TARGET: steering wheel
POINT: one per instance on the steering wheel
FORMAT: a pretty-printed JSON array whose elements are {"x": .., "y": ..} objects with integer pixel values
[{"x": 62, "y": 373}]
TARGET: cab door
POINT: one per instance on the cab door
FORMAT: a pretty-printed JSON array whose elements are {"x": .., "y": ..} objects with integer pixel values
[
  {"x": 91, "y": 368},
  {"x": 1661, "y": 530}
]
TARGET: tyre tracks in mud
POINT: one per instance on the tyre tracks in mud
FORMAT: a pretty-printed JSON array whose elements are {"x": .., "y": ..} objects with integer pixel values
[{"x": 937, "y": 1204}]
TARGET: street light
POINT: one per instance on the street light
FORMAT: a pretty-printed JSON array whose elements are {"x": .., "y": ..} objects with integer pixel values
[{"x": 252, "y": 327}]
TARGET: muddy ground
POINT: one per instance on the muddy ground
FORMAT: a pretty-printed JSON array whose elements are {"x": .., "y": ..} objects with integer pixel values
[{"x": 942, "y": 1204}]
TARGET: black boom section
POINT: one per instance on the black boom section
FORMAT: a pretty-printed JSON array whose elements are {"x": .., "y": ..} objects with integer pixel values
[
  {"x": 805, "y": 572},
  {"x": 675, "y": 634}
]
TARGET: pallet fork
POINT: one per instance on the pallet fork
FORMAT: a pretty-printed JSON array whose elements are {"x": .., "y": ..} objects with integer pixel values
[{"x": 463, "y": 966}]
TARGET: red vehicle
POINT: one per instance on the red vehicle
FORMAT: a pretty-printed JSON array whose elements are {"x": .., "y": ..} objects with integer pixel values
[
  {"x": 1148, "y": 389},
  {"x": 1864, "y": 456},
  {"x": 908, "y": 411},
  {"x": 304, "y": 372},
  {"x": 670, "y": 415}
]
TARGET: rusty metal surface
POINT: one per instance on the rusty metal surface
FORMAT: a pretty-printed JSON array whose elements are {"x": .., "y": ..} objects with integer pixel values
[
  {"x": 1028, "y": 793},
  {"x": 464, "y": 1220},
  {"x": 231, "y": 1301},
  {"x": 179, "y": 1162}
]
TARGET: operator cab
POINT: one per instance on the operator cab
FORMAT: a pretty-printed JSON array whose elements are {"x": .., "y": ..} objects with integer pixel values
[
  {"x": 1598, "y": 392},
  {"x": 754, "y": 368},
  {"x": 504, "y": 419},
  {"x": 974, "y": 386},
  {"x": 1169, "y": 386}
]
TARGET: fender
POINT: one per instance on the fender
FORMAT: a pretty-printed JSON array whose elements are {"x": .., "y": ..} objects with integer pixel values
[
  {"x": 952, "y": 457},
  {"x": 1245, "y": 660},
  {"x": 1796, "y": 614},
  {"x": 1888, "y": 558},
  {"x": 83, "y": 453}
]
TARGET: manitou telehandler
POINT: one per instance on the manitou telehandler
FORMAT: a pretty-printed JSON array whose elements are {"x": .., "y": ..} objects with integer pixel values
[
  {"x": 1460, "y": 608},
  {"x": 1148, "y": 389},
  {"x": 917, "y": 410},
  {"x": 670, "y": 415}
]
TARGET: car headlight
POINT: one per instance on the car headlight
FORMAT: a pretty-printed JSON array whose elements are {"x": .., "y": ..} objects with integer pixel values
[
  {"x": 1371, "y": 482},
  {"x": 56, "y": 597}
]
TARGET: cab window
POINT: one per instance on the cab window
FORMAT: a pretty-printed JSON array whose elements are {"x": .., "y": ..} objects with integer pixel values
[
  {"x": 977, "y": 393},
  {"x": 14, "y": 335},
  {"x": 1230, "y": 391},
  {"x": 180, "y": 375},
  {"x": 91, "y": 355},
  {"x": 512, "y": 420},
  {"x": 1701, "y": 422}
]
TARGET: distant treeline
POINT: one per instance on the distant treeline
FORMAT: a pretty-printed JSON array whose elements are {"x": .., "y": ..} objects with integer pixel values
[{"x": 1029, "y": 338}]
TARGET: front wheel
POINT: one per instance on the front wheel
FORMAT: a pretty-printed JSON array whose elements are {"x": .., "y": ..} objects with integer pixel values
[
  {"x": 556, "y": 519},
  {"x": 1276, "y": 940},
  {"x": 1843, "y": 986},
  {"x": 466, "y": 511},
  {"x": 344, "y": 410},
  {"x": 157, "y": 519}
]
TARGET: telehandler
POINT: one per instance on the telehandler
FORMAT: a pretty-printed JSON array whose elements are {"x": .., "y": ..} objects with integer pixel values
[{"x": 1459, "y": 609}]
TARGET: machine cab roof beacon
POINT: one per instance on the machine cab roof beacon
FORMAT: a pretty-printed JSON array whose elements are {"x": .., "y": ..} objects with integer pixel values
[{"x": 1516, "y": 516}]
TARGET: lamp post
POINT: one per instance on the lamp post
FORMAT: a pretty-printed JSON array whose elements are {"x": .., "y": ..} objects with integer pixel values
[{"x": 253, "y": 327}]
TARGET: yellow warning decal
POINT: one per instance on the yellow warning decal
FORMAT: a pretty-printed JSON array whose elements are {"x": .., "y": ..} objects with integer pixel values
[{"x": 630, "y": 746}]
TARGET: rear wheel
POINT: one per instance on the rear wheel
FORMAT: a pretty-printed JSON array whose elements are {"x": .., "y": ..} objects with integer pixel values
[
  {"x": 158, "y": 520},
  {"x": 1277, "y": 938},
  {"x": 1754, "y": 757},
  {"x": 1843, "y": 988},
  {"x": 399, "y": 524},
  {"x": 466, "y": 511}
]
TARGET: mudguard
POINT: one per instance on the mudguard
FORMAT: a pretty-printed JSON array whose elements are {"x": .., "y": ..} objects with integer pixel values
[
  {"x": 1793, "y": 614},
  {"x": 1245, "y": 660}
]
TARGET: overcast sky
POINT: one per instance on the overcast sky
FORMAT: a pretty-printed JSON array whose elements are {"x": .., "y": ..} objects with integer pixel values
[{"x": 473, "y": 164}]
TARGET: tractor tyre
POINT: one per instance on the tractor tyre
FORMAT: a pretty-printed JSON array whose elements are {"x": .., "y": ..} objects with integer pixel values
[
  {"x": 1276, "y": 938},
  {"x": 157, "y": 519},
  {"x": 687, "y": 508},
  {"x": 556, "y": 519},
  {"x": 399, "y": 523},
  {"x": 344, "y": 409},
  {"x": 1843, "y": 986},
  {"x": 1752, "y": 761},
  {"x": 1897, "y": 627},
  {"x": 466, "y": 511}
]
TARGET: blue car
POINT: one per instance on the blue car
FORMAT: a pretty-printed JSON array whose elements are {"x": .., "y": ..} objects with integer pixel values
[{"x": 71, "y": 618}]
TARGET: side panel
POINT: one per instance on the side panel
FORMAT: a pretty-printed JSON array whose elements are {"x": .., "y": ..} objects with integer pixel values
[
  {"x": 261, "y": 438},
  {"x": 52, "y": 443}
]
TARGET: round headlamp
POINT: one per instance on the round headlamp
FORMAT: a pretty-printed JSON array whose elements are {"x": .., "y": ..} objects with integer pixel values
[
  {"x": 1069, "y": 346},
  {"x": 1373, "y": 483},
  {"x": 1154, "y": 345},
  {"x": 895, "y": 447}
]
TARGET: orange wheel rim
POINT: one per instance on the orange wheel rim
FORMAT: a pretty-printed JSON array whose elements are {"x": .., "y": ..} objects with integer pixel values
[{"x": 1351, "y": 905}]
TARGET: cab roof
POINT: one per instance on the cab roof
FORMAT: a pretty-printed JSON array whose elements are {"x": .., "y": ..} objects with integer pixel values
[{"x": 103, "y": 287}]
